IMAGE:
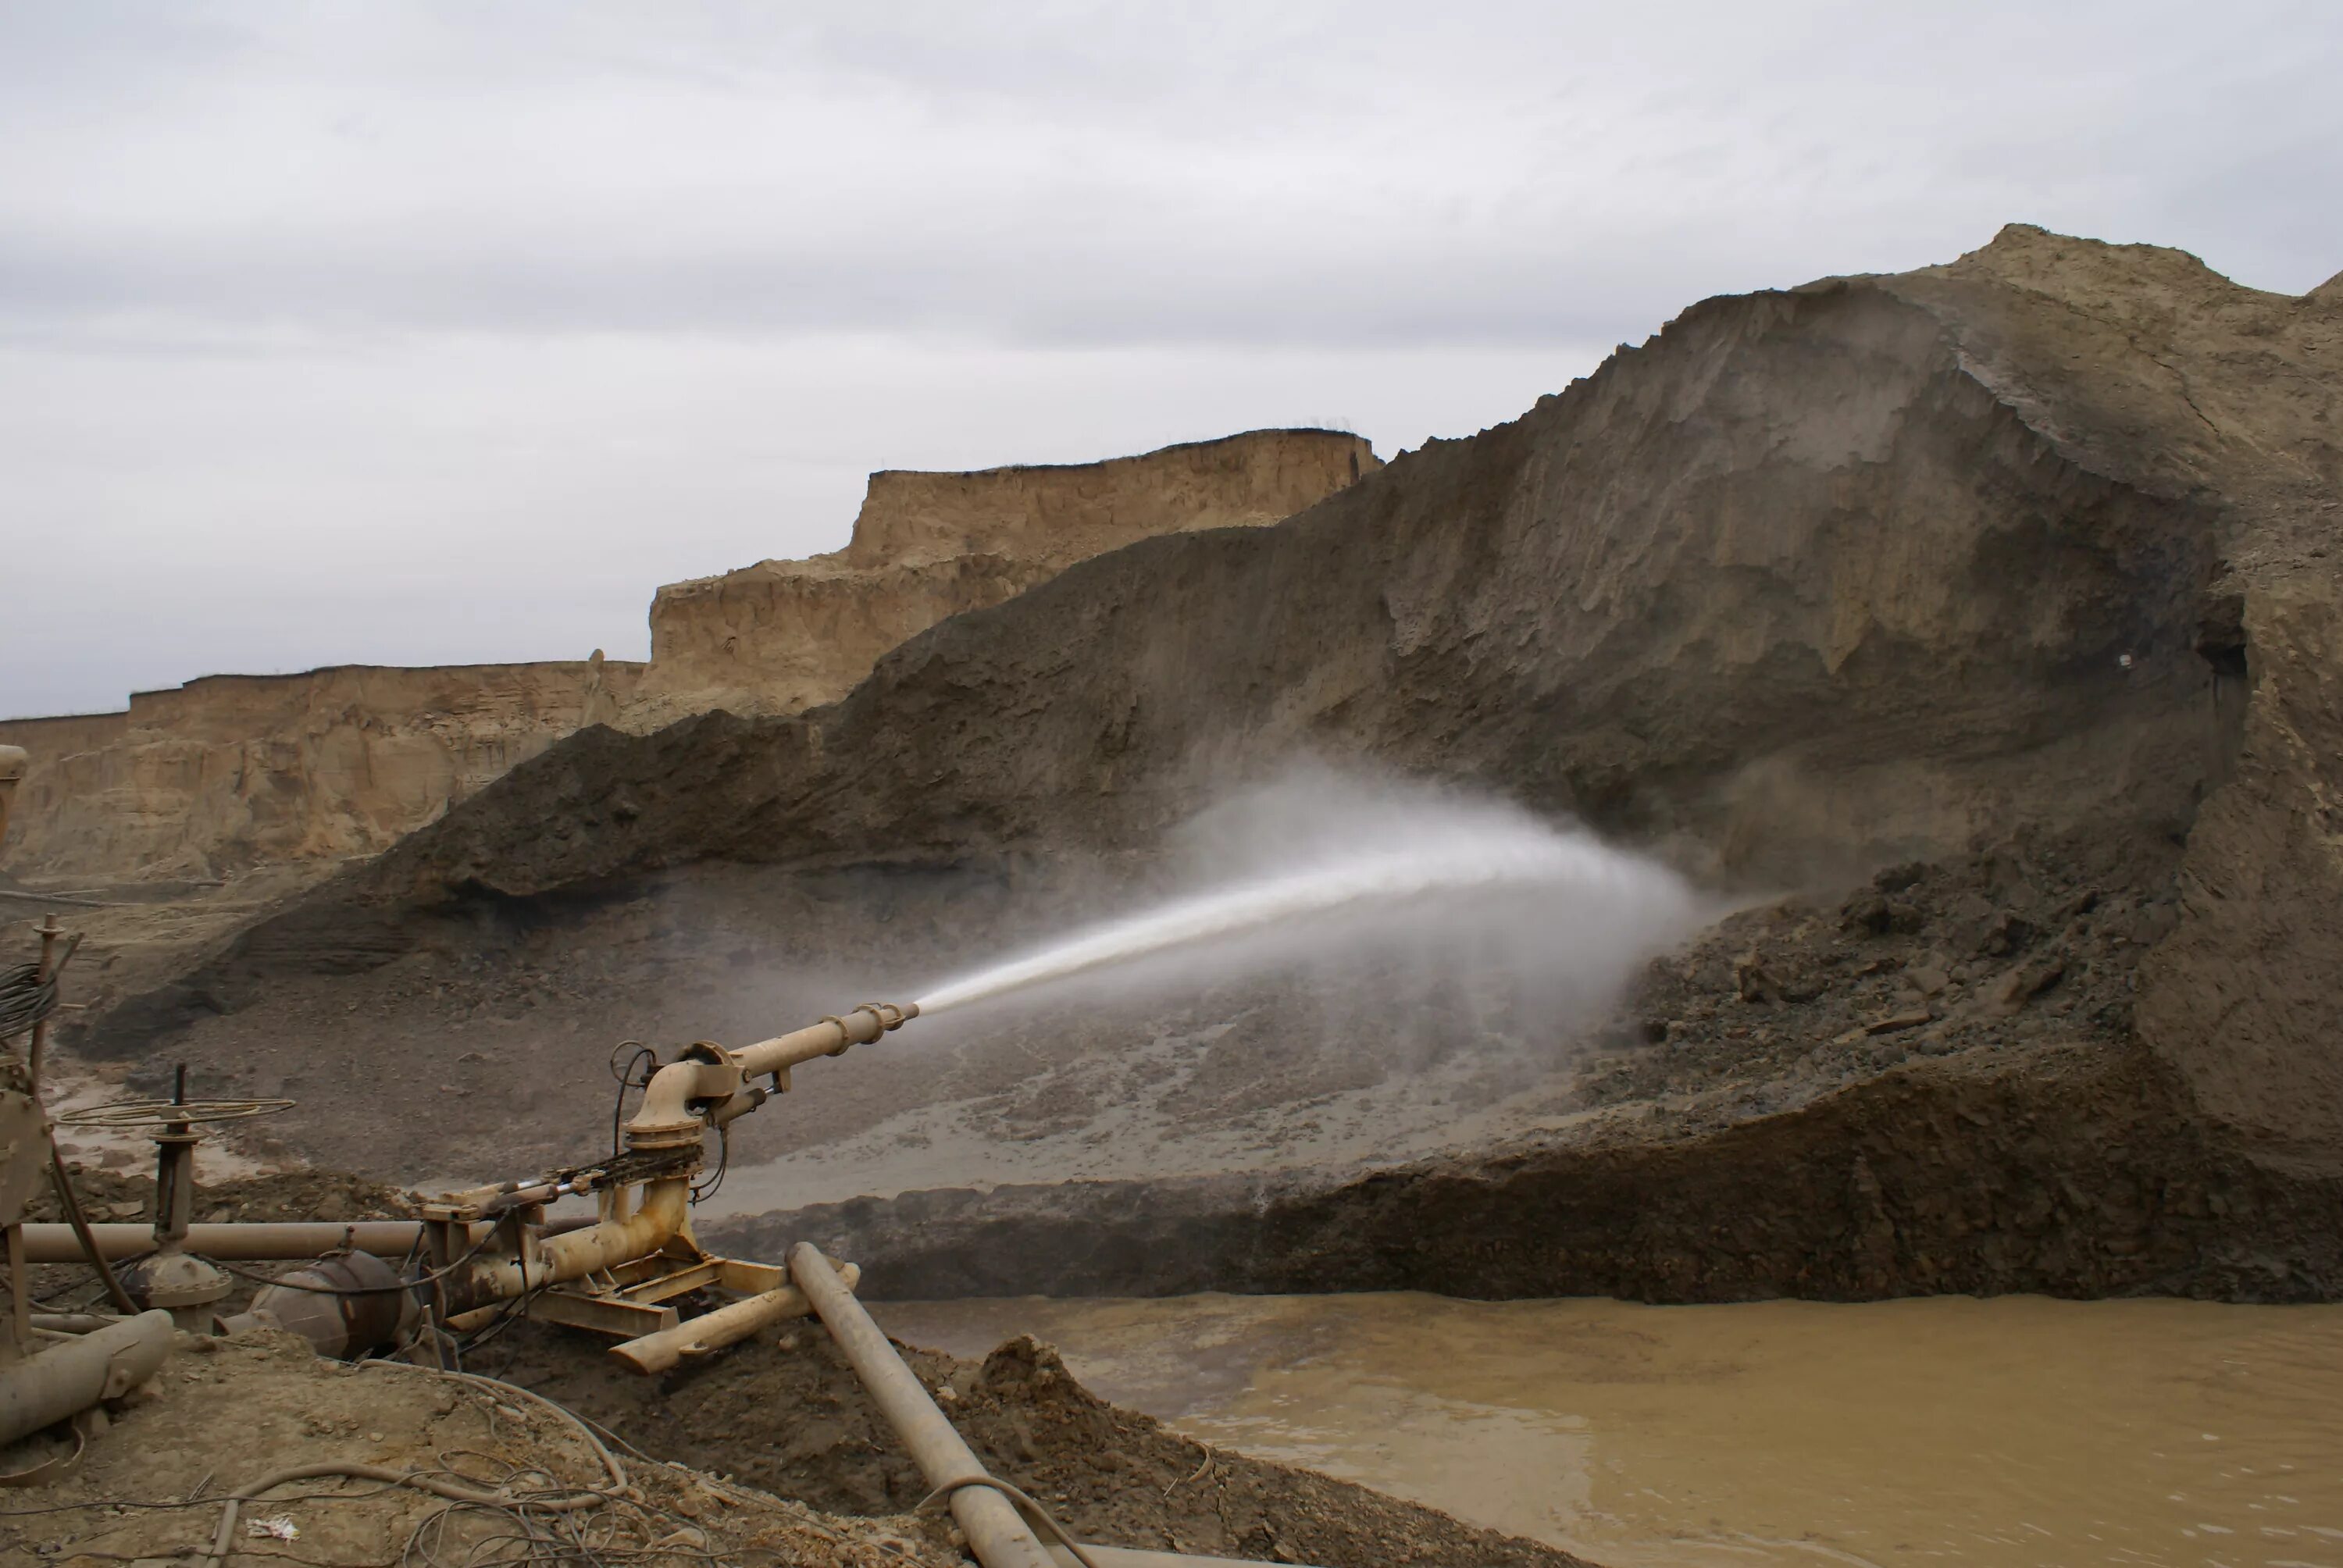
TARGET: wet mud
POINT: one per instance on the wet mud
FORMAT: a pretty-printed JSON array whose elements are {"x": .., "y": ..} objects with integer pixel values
[{"x": 2008, "y": 1434}]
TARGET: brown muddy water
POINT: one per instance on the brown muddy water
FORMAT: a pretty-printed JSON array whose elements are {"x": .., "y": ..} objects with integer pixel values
[{"x": 2015, "y": 1433}]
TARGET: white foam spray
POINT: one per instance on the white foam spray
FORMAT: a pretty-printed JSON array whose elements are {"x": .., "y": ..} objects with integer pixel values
[{"x": 1409, "y": 868}]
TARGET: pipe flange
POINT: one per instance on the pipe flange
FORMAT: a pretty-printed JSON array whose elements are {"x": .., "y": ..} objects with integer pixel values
[{"x": 726, "y": 1079}]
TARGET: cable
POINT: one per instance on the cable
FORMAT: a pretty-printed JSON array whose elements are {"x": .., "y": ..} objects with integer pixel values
[
  {"x": 70, "y": 1200},
  {"x": 627, "y": 1079},
  {"x": 1022, "y": 1501},
  {"x": 723, "y": 1162},
  {"x": 610, "y": 1461},
  {"x": 224, "y": 1539},
  {"x": 26, "y": 999}
]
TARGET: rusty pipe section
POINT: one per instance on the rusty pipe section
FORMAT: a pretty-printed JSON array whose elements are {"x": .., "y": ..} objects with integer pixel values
[
  {"x": 67, "y": 1379},
  {"x": 709, "y": 1087},
  {"x": 996, "y": 1533}
]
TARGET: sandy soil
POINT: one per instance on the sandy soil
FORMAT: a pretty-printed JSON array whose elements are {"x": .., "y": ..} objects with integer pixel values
[{"x": 224, "y": 1414}]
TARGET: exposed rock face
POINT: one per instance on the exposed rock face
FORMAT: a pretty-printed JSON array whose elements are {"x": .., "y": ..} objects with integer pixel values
[
  {"x": 232, "y": 771},
  {"x": 782, "y": 636},
  {"x": 2024, "y": 558}
]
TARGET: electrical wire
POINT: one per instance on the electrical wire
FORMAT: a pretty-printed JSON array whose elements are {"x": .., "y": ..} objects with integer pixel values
[
  {"x": 70, "y": 1201},
  {"x": 723, "y": 1162},
  {"x": 627, "y": 1079},
  {"x": 25, "y": 998}
]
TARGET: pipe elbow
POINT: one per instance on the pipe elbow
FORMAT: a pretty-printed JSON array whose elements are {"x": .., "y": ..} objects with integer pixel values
[
  {"x": 669, "y": 1112},
  {"x": 667, "y": 1103}
]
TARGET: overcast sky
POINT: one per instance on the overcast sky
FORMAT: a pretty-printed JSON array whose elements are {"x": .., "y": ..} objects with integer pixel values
[{"x": 401, "y": 333}]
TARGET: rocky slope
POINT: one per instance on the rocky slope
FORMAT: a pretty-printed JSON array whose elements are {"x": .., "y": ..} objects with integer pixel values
[
  {"x": 230, "y": 772},
  {"x": 2017, "y": 562}
]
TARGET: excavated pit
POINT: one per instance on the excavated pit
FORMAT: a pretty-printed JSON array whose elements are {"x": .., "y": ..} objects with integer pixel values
[{"x": 2015, "y": 571}]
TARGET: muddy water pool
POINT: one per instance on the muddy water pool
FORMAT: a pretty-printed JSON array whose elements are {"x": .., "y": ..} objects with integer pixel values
[{"x": 2007, "y": 1433}]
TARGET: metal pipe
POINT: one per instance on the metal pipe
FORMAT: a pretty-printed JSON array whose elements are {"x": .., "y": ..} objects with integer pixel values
[
  {"x": 995, "y": 1531},
  {"x": 254, "y": 1241},
  {"x": 727, "y": 1325},
  {"x": 66, "y": 1379},
  {"x": 619, "y": 1238},
  {"x": 711, "y": 1075},
  {"x": 830, "y": 1037},
  {"x": 258, "y": 1242},
  {"x": 1139, "y": 1557}
]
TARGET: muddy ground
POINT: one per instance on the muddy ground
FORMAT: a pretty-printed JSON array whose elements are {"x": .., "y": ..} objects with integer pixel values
[
  {"x": 1926, "y": 1082},
  {"x": 787, "y": 1414},
  {"x": 224, "y": 1415},
  {"x": 770, "y": 1450},
  {"x": 779, "y": 1417}
]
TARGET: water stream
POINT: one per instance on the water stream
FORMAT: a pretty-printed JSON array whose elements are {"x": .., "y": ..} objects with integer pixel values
[
  {"x": 2018, "y": 1432},
  {"x": 1356, "y": 893}
]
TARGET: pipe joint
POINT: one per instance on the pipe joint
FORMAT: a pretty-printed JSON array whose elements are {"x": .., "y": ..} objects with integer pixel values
[{"x": 672, "y": 1113}]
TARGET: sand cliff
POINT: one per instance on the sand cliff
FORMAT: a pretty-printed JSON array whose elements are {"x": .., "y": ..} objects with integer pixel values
[
  {"x": 236, "y": 770},
  {"x": 781, "y": 636}
]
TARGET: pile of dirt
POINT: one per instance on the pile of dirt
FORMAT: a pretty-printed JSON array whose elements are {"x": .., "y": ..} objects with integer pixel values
[
  {"x": 1790, "y": 1000},
  {"x": 224, "y": 1415},
  {"x": 770, "y": 1453},
  {"x": 2030, "y": 549},
  {"x": 791, "y": 1417}
]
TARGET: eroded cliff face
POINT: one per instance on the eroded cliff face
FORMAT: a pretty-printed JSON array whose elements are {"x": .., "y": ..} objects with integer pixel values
[
  {"x": 231, "y": 773},
  {"x": 2016, "y": 570},
  {"x": 781, "y": 636}
]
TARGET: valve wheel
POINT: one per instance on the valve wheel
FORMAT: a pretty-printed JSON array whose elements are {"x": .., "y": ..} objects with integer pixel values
[{"x": 125, "y": 1114}]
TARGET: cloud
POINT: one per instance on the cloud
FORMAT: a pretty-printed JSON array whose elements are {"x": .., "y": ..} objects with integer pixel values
[{"x": 585, "y": 275}]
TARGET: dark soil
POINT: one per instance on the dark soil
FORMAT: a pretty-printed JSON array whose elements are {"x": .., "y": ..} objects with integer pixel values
[
  {"x": 791, "y": 1417},
  {"x": 1929, "y": 1082}
]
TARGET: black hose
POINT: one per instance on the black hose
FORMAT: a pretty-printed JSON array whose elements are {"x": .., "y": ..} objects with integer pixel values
[
  {"x": 69, "y": 1200},
  {"x": 643, "y": 1054}
]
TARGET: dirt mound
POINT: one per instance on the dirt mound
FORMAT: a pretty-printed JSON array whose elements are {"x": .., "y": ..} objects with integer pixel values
[
  {"x": 791, "y": 1418},
  {"x": 784, "y": 1415},
  {"x": 2026, "y": 557},
  {"x": 223, "y": 1414},
  {"x": 772, "y": 1452}
]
